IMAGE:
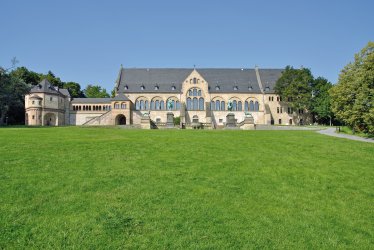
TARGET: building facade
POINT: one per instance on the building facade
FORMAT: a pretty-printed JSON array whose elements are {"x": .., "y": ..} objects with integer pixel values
[{"x": 196, "y": 96}]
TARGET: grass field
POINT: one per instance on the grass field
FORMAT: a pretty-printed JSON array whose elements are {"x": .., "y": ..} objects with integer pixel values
[{"x": 75, "y": 187}]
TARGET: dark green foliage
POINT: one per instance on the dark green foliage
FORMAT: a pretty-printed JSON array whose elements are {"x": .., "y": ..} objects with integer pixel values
[
  {"x": 12, "y": 92},
  {"x": 177, "y": 120},
  {"x": 321, "y": 101},
  {"x": 74, "y": 89},
  {"x": 28, "y": 76},
  {"x": 353, "y": 96},
  {"x": 95, "y": 91},
  {"x": 295, "y": 84},
  {"x": 95, "y": 188}
]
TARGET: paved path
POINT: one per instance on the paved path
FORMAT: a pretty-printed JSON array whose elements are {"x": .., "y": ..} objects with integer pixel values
[{"x": 331, "y": 132}]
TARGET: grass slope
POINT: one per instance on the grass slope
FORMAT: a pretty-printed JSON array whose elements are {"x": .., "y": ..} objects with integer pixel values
[{"x": 76, "y": 187}]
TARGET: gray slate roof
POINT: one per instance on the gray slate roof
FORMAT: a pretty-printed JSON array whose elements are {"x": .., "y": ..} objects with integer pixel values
[
  {"x": 269, "y": 77},
  {"x": 244, "y": 80},
  {"x": 159, "y": 80},
  {"x": 46, "y": 87},
  {"x": 91, "y": 100}
]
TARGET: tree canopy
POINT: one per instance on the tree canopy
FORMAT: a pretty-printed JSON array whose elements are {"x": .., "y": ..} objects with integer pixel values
[
  {"x": 352, "y": 97},
  {"x": 95, "y": 91},
  {"x": 12, "y": 92},
  {"x": 321, "y": 101}
]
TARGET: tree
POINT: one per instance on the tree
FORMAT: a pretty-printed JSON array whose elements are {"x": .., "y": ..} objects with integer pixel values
[
  {"x": 28, "y": 76},
  {"x": 95, "y": 91},
  {"x": 352, "y": 97},
  {"x": 12, "y": 92},
  {"x": 295, "y": 88},
  {"x": 321, "y": 101},
  {"x": 74, "y": 89}
]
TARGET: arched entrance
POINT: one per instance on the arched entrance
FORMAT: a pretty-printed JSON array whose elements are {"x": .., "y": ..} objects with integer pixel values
[
  {"x": 49, "y": 119},
  {"x": 120, "y": 120}
]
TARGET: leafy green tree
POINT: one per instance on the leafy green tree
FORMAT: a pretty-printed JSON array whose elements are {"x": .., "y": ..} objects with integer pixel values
[
  {"x": 28, "y": 76},
  {"x": 74, "y": 89},
  {"x": 352, "y": 97},
  {"x": 321, "y": 101},
  {"x": 295, "y": 88},
  {"x": 12, "y": 92},
  {"x": 95, "y": 91}
]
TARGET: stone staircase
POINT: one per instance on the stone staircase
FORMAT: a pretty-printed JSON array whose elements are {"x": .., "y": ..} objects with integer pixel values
[{"x": 104, "y": 119}]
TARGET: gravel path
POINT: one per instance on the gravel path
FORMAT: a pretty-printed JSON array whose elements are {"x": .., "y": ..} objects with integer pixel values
[{"x": 331, "y": 132}]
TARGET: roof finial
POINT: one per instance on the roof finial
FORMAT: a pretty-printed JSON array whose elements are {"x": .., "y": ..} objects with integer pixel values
[
  {"x": 194, "y": 66},
  {"x": 121, "y": 66}
]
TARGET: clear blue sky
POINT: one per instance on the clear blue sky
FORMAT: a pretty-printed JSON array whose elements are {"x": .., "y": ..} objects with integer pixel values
[{"x": 87, "y": 41}]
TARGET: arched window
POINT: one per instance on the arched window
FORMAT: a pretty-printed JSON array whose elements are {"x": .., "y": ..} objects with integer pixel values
[
  {"x": 199, "y": 92},
  {"x": 239, "y": 106},
  {"x": 141, "y": 105},
  {"x": 162, "y": 105},
  {"x": 212, "y": 105},
  {"x": 137, "y": 105},
  {"x": 177, "y": 105},
  {"x": 194, "y": 92},
  {"x": 234, "y": 105},
  {"x": 123, "y": 105},
  {"x": 257, "y": 106},
  {"x": 251, "y": 106},
  {"x": 223, "y": 108},
  {"x": 189, "y": 104},
  {"x": 152, "y": 105},
  {"x": 245, "y": 106},
  {"x": 195, "y": 80},
  {"x": 195, "y": 104},
  {"x": 190, "y": 92},
  {"x": 218, "y": 105},
  {"x": 201, "y": 103},
  {"x": 157, "y": 104},
  {"x": 146, "y": 105}
]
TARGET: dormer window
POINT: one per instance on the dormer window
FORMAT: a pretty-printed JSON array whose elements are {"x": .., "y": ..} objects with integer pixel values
[
  {"x": 217, "y": 87},
  {"x": 236, "y": 88},
  {"x": 156, "y": 87},
  {"x": 267, "y": 89},
  {"x": 250, "y": 88},
  {"x": 142, "y": 87},
  {"x": 126, "y": 87},
  {"x": 173, "y": 87}
]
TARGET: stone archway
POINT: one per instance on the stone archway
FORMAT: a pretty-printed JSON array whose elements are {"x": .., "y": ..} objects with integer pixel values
[
  {"x": 50, "y": 119},
  {"x": 120, "y": 120}
]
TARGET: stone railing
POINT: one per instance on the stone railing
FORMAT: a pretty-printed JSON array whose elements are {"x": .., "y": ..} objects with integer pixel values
[{"x": 100, "y": 120}]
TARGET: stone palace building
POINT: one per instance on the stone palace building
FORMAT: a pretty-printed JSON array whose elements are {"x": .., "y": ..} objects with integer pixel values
[{"x": 145, "y": 98}]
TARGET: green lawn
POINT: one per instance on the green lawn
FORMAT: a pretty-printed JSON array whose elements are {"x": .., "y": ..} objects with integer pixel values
[{"x": 75, "y": 187}]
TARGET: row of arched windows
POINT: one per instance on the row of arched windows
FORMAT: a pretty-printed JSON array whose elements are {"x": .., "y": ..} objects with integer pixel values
[
  {"x": 91, "y": 107},
  {"x": 195, "y": 103},
  {"x": 156, "y": 105},
  {"x": 121, "y": 105},
  {"x": 194, "y": 92},
  {"x": 236, "y": 106}
]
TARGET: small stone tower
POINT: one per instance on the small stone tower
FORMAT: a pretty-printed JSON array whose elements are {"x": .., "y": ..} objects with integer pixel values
[{"x": 47, "y": 105}]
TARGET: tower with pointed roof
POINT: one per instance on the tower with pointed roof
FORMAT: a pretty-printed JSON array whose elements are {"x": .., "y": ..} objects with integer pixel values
[{"x": 47, "y": 105}]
